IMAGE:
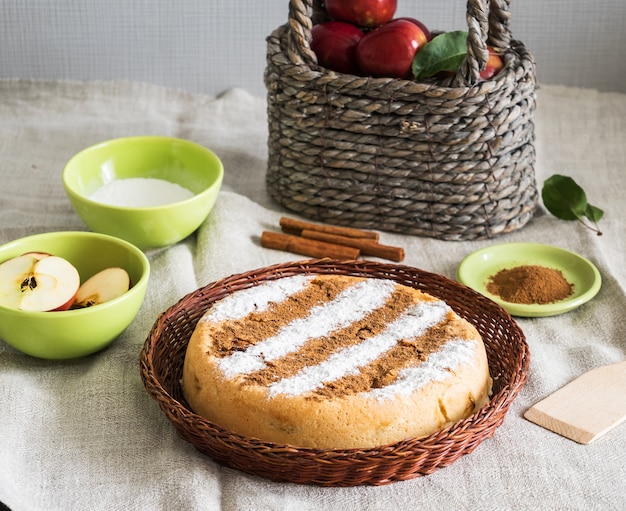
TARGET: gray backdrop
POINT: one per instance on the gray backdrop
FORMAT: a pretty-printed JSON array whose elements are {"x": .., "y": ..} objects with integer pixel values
[{"x": 209, "y": 46}]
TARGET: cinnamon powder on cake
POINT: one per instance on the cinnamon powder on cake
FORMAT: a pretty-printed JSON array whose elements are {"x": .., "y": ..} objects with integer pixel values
[
  {"x": 319, "y": 349},
  {"x": 240, "y": 335},
  {"x": 385, "y": 369},
  {"x": 530, "y": 284}
]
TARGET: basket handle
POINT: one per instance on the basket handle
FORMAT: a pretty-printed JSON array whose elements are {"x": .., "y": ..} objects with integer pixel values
[{"x": 487, "y": 23}]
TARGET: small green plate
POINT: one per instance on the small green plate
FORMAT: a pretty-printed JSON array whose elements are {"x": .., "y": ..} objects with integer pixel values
[{"x": 476, "y": 269}]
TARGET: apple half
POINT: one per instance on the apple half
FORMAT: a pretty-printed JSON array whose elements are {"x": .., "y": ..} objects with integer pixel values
[
  {"x": 102, "y": 287},
  {"x": 31, "y": 282}
]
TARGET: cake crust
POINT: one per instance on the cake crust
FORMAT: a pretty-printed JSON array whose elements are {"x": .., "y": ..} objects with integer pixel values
[{"x": 334, "y": 362}]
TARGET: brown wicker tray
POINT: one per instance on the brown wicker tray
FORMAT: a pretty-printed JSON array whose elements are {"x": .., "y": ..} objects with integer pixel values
[{"x": 507, "y": 351}]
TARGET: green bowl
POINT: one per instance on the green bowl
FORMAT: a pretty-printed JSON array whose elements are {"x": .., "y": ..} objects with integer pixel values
[
  {"x": 182, "y": 162},
  {"x": 79, "y": 332}
]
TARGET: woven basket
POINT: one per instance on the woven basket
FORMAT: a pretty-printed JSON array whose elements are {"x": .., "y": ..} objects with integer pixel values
[
  {"x": 162, "y": 362},
  {"x": 453, "y": 161}
]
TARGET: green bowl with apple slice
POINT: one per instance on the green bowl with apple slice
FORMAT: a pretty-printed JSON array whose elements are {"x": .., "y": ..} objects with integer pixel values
[{"x": 75, "y": 332}]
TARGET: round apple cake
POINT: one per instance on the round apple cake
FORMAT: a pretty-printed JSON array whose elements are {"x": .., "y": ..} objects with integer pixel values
[{"x": 334, "y": 362}]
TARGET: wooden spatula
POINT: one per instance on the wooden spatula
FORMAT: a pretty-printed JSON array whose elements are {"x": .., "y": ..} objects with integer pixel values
[{"x": 587, "y": 407}]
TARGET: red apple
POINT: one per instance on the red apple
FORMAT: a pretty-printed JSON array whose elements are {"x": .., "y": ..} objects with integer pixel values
[
  {"x": 388, "y": 51},
  {"x": 363, "y": 13},
  {"x": 33, "y": 283},
  {"x": 105, "y": 285},
  {"x": 334, "y": 44},
  {"x": 421, "y": 25},
  {"x": 494, "y": 65}
]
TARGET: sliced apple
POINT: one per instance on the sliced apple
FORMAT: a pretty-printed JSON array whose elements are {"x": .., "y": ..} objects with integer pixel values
[
  {"x": 33, "y": 283},
  {"x": 105, "y": 285}
]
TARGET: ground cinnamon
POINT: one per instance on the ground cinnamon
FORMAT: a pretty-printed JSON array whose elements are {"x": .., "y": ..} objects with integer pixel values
[{"x": 530, "y": 284}]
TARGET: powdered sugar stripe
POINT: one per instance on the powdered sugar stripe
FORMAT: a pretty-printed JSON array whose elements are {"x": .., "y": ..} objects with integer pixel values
[
  {"x": 351, "y": 305},
  {"x": 256, "y": 299},
  {"x": 436, "y": 367},
  {"x": 415, "y": 321}
]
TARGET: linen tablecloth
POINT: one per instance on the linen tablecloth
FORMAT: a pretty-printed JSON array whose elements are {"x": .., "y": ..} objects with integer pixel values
[{"x": 84, "y": 434}]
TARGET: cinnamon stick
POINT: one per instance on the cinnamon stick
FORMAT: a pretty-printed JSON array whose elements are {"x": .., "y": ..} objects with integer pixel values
[
  {"x": 366, "y": 246},
  {"x": 294, "y": 226},
  {"x": 307, "y": 247}
]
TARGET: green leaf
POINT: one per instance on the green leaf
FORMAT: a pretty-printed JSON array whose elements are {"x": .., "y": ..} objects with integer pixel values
[
  {"x": 444, "y": 52},
  {"x": 564, "y": 198}
]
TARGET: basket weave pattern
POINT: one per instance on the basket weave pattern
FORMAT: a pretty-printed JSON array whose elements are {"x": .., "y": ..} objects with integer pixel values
[
  {"x": 451, "y": 159},
  {"x": 507, "y": 351}
]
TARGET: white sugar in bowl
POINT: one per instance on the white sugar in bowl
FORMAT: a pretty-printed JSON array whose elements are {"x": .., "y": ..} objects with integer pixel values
[{"x": 151, "y": 191}]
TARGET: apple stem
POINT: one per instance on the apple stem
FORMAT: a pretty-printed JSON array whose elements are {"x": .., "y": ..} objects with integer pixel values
[{"x": 590, "y": 227}]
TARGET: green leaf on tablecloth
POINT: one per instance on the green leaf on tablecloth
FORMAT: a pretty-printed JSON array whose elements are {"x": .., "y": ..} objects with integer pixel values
[
  {"x": 444, "y": 52},
  {"x": 565, "y": 199}
]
